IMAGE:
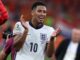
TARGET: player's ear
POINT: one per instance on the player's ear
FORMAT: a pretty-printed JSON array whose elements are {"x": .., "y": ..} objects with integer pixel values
[{"x": 32, "y": 12}]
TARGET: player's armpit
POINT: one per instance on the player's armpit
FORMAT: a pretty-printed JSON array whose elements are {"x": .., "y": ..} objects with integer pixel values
[{"x": 19, "y": 40}]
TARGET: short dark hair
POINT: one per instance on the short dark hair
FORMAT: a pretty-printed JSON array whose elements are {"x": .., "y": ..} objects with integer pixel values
[{"x": 38, "y": 4}]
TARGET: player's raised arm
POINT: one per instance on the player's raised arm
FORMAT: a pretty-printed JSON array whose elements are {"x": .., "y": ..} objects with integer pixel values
[
  {"x": 50, "y": 45},
  {"x": 3, "y": 13},
  {"x": 19, "y": 38}
]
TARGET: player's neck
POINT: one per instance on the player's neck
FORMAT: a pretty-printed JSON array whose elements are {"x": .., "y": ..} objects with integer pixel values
[{"x": 35, "y": 25}]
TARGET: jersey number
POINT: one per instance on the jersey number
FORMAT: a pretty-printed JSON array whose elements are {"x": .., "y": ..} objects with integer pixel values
[{"x": 34, "y": 47}]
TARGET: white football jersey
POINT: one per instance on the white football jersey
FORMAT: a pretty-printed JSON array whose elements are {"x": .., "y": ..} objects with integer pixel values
[{"x": 34, "y": 45}]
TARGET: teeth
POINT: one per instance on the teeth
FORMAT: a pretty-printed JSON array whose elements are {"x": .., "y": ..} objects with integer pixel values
[{"x": 41, "y": 17}]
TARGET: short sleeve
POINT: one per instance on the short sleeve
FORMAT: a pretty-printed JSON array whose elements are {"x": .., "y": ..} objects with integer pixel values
[{"x": 18, "y": 28}]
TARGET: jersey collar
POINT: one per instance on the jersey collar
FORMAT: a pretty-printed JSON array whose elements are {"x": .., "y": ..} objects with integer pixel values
[{"x": 38, "y": 26}]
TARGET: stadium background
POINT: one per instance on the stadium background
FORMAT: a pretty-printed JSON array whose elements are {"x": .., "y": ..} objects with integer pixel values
[{"x": 61, "y": 13}]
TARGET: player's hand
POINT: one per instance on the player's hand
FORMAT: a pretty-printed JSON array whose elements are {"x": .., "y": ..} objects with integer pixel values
[
  {"x": 57, "y": 31},
  {"x": 23, "y": 22}
]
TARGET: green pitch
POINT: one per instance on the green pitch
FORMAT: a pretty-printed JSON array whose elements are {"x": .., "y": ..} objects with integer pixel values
[{"x": 9, "y": 57}]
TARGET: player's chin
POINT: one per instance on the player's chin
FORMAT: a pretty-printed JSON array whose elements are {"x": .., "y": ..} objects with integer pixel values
[{"x": 40, "y": 22}]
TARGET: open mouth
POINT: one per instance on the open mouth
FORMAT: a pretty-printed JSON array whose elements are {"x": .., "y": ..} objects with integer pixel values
[{"x": 41, "y": 17}]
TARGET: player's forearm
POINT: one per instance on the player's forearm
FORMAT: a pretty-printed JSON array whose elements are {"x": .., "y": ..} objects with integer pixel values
[
  {"x": 50, "y": 47},
  {"x": 7, "y": 49},
  {"x": 19, "y": 40},
  {"x": 53, "y": 57},
  {"x": 2, "y": 55}
]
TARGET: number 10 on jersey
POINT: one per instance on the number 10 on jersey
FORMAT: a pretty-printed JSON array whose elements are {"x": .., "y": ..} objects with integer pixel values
[{"x": 33, "y": 47}]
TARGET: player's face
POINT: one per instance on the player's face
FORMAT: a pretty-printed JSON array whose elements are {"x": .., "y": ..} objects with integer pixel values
[
  {"x": 76, "y": 36},
  {"x": 39, "y": 14}
]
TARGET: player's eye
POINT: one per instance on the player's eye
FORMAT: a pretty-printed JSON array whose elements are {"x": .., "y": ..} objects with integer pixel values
[
  {"x": 44, "y": 11},
  {"x": 39, "y": 11}
]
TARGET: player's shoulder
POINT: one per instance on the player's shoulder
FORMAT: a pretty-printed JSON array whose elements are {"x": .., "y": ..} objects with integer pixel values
[
  {"x": 49, "y": 28},
  {"x": 18, "y": 23}
]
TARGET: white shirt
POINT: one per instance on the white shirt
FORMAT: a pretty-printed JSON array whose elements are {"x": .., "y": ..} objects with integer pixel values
[
  {"x": 33, "y": 48},
  {"x": 71, "y": 51}
]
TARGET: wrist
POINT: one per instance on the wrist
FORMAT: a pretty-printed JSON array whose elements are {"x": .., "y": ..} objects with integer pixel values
[
  {"x": 25, "y": 31},
  {"x": 52, "y": 38}
]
